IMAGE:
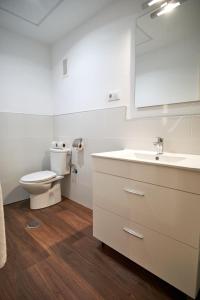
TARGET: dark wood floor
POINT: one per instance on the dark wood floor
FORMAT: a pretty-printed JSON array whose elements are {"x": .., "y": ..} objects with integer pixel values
[{"x": 62, "y": 260}]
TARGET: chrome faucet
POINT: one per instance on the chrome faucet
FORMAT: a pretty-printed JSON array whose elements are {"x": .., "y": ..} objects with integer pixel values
[{"x": 159, "y": 143}]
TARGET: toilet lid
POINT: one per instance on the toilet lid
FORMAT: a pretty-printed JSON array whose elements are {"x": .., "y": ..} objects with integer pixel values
[{"x": 39, "y": 176}]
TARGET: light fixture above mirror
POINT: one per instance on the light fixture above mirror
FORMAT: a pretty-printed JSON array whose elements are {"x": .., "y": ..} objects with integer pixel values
[
  {"x": 161, "y": 7},
  {"x": 153, "y": 2},
  {"x": 165, "y": 8}
]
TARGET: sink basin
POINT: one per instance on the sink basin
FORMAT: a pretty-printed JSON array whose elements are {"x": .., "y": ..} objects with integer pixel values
[
  {"x": 160, "y": 158},
  {"x": 186, "y": 161}
]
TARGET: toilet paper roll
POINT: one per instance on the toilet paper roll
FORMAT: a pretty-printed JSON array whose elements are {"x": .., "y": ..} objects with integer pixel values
[
  {"x": 74, "y": 158},
  {"x": 77, "y": 158},
  {"x": 78, "y": 144}
]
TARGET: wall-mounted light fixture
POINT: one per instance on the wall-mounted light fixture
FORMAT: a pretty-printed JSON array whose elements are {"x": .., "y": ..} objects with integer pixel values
[
  {"x": 153, "y": 2},
  {"x": 166, "y": 7}
]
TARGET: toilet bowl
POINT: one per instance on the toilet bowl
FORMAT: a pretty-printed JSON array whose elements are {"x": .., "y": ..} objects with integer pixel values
[{"x": 44, "y": 186}]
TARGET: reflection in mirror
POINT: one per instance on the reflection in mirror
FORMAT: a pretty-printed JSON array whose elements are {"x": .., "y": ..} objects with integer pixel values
[{"x": 168, "y": 54}]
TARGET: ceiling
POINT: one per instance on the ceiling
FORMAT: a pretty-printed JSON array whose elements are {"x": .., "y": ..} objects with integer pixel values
[{"x": 47, "y": 20}]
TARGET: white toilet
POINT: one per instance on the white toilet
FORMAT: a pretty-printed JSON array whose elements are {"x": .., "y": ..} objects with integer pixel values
[{"x": 44, "y": 186}]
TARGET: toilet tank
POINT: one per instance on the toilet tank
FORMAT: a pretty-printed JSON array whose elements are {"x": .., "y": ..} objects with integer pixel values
[{"x": 60, "y": 160}]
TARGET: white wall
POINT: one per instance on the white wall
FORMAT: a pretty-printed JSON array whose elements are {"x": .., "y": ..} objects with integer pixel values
[
  {"x": 101, "y": 58},
  {"x": 108, "y": 130},
  {"x": 25, "y": 140},
  {"x": 25, "y": 101},
  {"x": 25, "y": 75},
  {"x": 99, "y": 61}
]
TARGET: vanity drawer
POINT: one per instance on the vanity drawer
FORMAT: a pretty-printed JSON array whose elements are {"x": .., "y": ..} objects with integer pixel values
[
  {"x": 171, "y": 260},
  {"x": 171, "y": 177},
  {"x": 168, "y": 211}
]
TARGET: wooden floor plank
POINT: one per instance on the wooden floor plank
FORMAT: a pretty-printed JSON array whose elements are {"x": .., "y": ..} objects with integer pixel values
[
  {"x": 78, "y": 285},
  {"x": 62, "y": 260}
]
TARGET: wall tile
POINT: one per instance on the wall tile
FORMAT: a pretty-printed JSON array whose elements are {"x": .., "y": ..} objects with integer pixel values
[
  {"x": 25, "y": 140},
  {"x": 107, "y": 130},
  {"x": 195, "y": 127}
]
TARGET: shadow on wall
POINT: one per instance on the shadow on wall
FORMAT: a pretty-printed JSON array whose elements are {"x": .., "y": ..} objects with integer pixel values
[
  {"x": 12, "y": 191},
  {"x": 66, "y": 186},
  {"x": 17, "y": 194},
  {"x": 46, "y": 161}
]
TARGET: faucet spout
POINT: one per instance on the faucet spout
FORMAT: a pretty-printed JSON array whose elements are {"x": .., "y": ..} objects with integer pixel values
[{"x": 159, "y": 143}]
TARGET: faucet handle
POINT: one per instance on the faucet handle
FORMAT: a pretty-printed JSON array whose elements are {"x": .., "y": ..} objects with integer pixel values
[{"x": 158, "y": 140}]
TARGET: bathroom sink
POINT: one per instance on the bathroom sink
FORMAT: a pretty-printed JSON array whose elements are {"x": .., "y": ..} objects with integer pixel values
[
  {"x": 162, "y": 157},
  {"x": 187, "y": 161}
]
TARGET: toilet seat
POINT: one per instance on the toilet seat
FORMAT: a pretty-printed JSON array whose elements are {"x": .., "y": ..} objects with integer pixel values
[{"x": 41, "y": 176}]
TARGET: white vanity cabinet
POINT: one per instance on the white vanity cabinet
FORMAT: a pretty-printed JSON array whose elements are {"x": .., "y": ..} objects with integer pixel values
[{"x": 151, "y": 214}]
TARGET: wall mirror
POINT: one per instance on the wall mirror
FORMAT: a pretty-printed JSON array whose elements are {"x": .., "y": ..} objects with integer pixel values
[{"x": 168, "y": 53}]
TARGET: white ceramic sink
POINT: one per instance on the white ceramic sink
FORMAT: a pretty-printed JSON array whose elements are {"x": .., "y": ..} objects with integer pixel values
[
  {"x": 169, "y": 159},
  {"x": 161, "y": 158}
]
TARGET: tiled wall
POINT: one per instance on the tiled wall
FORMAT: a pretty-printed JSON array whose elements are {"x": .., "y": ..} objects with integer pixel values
[
  {"x": 24, "y": 141},
  {"x": 106, "y": 130}
]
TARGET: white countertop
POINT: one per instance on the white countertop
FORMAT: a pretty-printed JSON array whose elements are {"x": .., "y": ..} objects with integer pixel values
[{"x": 176, "y": 160}]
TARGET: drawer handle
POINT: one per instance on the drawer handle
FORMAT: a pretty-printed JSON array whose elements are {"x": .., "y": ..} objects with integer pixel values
[
  {"x": 134, "y": 233},
  {"x": 132, "y": 191}
]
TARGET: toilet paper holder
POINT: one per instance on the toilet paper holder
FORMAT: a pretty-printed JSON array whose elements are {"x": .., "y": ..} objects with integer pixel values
[{"x": 78, "y": 144}]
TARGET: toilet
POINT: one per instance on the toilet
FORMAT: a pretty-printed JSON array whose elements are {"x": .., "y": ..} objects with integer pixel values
[{"x": 44, "y": 186}]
